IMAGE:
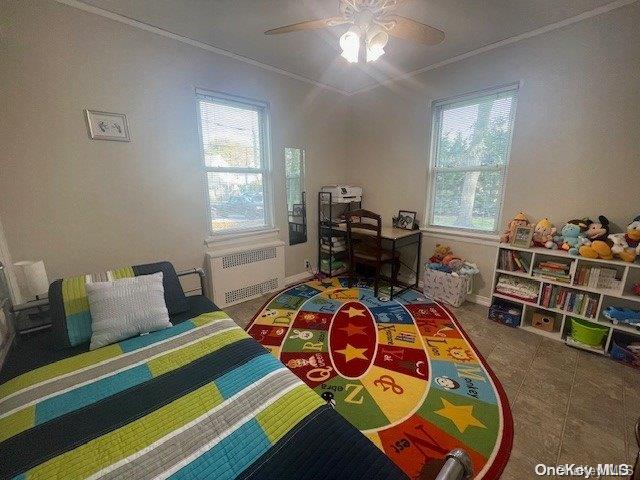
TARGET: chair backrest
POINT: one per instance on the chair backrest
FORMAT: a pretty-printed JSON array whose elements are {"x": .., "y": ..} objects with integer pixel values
[{"x": 357, "y": 219}]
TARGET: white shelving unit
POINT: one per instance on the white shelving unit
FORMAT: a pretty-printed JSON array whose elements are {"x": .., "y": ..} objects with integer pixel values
[{"x": 627, "y": 275}]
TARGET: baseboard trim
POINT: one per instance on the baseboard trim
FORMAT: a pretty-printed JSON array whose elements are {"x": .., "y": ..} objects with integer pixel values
[
  {"x": 297, "y": 278},
  {"x": 479, "y": 299}
]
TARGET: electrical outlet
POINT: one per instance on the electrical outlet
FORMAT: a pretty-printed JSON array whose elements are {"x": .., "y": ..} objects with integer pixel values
[{"x": 307, "y": 264}]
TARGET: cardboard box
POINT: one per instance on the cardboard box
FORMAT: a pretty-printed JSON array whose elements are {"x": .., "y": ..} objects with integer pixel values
[{"x": 543, "y": 321}]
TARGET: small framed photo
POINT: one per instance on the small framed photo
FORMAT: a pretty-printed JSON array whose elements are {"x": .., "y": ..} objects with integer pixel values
[
  {"x": 298, "y": 210},
  {"x": 107, "y": 126},
  {"x": 405, "y": 219},
  {"x": 522, "y": 237}
]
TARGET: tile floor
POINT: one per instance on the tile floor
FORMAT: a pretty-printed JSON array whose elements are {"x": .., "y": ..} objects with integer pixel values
[{"x": 569, "y": 406}]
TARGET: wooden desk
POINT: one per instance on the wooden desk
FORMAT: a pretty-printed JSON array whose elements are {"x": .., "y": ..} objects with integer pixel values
[{"x": 399, "y": 238}]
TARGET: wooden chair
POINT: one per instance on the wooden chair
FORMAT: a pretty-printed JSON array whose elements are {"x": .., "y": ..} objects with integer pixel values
[{"x": 367, "y": 247}]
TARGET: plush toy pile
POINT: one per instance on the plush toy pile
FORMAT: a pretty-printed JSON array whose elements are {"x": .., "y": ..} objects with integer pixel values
[
  {"x": 581, "y": 236},
  {"x": 444, "y": 260}
]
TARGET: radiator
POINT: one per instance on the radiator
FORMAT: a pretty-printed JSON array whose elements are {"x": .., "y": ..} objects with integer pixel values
[{"x": 243, "y": 273}]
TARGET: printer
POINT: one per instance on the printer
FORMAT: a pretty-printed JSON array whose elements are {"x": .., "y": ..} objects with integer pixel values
[{"x": 343, "y": 193}]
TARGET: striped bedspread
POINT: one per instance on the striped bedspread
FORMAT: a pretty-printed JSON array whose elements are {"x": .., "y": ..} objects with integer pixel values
[{"x": 199, "y": 400}]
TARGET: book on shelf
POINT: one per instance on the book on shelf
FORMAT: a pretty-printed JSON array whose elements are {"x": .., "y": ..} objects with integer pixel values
[
  {"x": 570, "y": 301},
  {"x": 512, "y": 261},
  {"x": 557, "y": 271},
  {"x": 597, "y": 277}
]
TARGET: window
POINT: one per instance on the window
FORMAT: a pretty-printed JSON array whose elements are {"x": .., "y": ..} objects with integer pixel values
[
  {"x": 471, "y": 139},
  {"x": 234, "y": 137}
]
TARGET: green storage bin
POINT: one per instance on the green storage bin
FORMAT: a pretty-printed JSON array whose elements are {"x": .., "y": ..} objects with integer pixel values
[{"x": 586, "y": 332}]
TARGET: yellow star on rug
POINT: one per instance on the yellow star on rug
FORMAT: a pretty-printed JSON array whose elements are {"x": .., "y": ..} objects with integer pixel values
[
  {"x": 355, "y": 312},
  {"x": 352, "y": 329},
  {"x": 350, "y": 352},
  {"x": 460, "y": 415}
]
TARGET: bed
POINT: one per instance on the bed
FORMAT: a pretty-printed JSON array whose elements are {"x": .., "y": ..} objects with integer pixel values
[{"x": 200, "y": 399}]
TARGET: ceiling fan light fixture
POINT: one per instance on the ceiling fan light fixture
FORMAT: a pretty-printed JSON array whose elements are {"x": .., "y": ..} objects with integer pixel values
[
  {"x": 350, "y": 44},
  {"x": 377, "y": 39}
]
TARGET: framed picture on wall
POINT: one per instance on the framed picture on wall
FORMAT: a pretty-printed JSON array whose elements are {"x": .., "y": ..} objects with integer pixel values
[
  {"x": 522, "y": 237},
  {"x": 107, "y": 126}
]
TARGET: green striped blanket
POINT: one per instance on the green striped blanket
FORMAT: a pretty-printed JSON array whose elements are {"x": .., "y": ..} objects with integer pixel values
[{"x": 199, "y": 400}]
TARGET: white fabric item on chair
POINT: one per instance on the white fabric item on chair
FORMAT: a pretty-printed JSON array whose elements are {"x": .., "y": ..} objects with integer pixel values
[{"x": 125, "y": 308}]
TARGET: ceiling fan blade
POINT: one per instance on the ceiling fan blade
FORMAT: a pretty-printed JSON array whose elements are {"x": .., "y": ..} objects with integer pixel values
[
  {"x": 415, "y": 31},
  {"x": 308, "y": 25}
]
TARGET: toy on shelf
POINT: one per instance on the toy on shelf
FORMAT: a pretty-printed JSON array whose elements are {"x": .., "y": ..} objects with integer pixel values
[
  {"x": 598, "y": 230},
  {"x": 520, "y": 220},
  {"x": 622, "y": 315},
  {"x": 571, "y": 233},
  {"x": 621, "y": 249},
  {"x": 636, "y": 289},
  {"x": 633, "y": 234},
  {"x": 544, "y": 233},
  {"x": 596, "y": 249}
]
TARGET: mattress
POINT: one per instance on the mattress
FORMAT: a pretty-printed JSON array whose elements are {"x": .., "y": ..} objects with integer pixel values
[{"x": 198, "y": 400}]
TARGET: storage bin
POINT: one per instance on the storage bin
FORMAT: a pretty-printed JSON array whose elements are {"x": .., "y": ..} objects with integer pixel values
[
  {"x": 588, "y": 333},
  {"x": 446, "y": 287},
  {"x": 620, "y": 353},
  {"x": 505, "y": 313}
]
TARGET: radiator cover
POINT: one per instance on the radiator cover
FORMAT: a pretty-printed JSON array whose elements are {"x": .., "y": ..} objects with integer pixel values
[{"x": 243, "y": 273}]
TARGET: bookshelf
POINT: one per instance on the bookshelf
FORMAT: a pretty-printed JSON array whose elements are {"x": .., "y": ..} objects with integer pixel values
[{"x": 590, "y": 285}]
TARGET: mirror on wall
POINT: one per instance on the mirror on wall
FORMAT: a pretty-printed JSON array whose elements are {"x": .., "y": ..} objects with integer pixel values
[{"x": 296, "y": 198}]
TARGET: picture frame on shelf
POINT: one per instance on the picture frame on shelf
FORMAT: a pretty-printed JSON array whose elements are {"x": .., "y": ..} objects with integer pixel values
[
  {"x": 405, "y": 220},
  {"x": 107, "y": 126},
  {"x": 522, "y": 236}
]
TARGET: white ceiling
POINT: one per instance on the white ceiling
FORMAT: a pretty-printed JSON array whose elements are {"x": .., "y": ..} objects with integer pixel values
[{"x": 238, "y": 25}]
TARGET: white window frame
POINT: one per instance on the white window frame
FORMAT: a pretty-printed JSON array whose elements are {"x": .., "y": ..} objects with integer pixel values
[
  {"x": 436, "y": 109},
  {"x": 265, "y": 159}
]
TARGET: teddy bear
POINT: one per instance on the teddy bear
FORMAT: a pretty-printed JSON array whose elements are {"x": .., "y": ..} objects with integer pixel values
[
  {"x": 544, "y": 233},
  {"x": 633, "y": 234},
  {"x": 620, "y": 248},
  {"x": 520, "y": 220},
  {"x": 439, "y": 253},
  {"x": 570, "y": 235},
  {"x": 598, "y": 230}
]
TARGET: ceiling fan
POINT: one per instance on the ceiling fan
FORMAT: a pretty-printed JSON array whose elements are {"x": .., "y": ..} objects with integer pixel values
[{"x": 372, "y": 22}]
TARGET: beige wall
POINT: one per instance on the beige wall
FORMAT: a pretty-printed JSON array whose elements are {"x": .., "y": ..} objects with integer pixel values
[
  {"x": 84, "y": 205},
  {"x": 576, "y": 143}
]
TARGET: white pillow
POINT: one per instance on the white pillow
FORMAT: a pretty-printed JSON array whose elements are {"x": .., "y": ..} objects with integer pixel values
[{"x": 125, "y": 308}]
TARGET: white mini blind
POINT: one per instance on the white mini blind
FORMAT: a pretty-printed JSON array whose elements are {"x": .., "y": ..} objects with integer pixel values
[
  {"x": 234, "y": 148},
  {"x": 471, "y": 140}
]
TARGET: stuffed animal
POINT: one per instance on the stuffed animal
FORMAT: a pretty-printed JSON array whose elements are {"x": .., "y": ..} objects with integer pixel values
[
  {"x": 598, "y": 230},
  {"x": 571, "y": 233},
  {"x": 520, "y": 220},
  {"x": 633, "y": 234},
  {"x": 439, "y": 253},
  {"x": 595, "y": 249},
  {"x": 544, "y": 233},
  {"x": 620, "y": 248}
]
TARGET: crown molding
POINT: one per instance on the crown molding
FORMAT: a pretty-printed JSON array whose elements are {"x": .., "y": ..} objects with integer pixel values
[
  {"x": 194, "y": 43},
  {"x": 507, "y": 41},
  {"x": 210, "y": 48}
]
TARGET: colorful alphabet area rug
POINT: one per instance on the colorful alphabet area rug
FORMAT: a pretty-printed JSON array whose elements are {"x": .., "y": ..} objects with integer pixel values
[{"x": 402, "y": 371}]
